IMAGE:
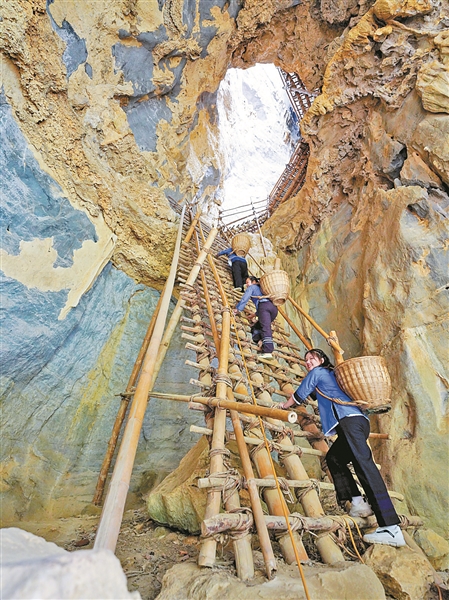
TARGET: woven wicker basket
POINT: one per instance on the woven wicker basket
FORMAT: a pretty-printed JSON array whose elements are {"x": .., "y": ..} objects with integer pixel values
[
  {"x": 365, "y": 378},
  {"x": 276, "y": 285},
  {"x": 241, "y": 243}
]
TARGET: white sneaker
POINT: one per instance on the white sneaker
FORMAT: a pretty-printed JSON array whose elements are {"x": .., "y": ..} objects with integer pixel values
[
  {"x": 361, "y": 509},
  {"x": 266, "y": 355},
  {"x": 390, "y": 536}
]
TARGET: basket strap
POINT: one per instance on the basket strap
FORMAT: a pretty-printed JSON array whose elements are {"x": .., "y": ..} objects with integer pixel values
[{"x": 338, "y": 401}]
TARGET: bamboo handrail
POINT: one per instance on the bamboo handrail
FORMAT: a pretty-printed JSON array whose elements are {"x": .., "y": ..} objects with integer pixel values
[
  {"x": 326, "y": 336},
  {"x": 303, "y": 339},
  {"x": 262, "y": 411},
  {"x": 123, "y": 407},
  {"x": 112, "y": 514}
]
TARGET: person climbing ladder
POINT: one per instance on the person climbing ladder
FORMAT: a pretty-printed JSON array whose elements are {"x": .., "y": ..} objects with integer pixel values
[
  {"x": 239, "y": 267},
  {"x": 266, "y": 313},
  {"x": 352, "y": 427}
]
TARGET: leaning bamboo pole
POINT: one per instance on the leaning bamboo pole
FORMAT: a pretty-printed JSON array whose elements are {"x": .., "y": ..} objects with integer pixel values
[
  {"x": 262, "y": 531},
  {"x": 303, "y": 339},
  {"x": 328, "y": 337},
  {"x": 123, "y": 407},
  {"x": 112, "y": 514}
]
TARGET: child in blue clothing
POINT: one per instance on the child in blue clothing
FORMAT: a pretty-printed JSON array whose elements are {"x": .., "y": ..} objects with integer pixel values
[{"x": 352, "y": 427}]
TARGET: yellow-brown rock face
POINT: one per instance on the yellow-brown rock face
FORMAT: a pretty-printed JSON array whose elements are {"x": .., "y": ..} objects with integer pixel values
[{"x": 114, "y": 103}]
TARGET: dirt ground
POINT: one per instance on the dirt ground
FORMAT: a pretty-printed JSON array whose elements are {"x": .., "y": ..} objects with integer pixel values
[{"x": 147, "y": 550}]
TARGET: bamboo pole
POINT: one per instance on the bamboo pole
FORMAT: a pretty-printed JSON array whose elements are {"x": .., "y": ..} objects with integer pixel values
[
  {"x": 251, "y": 441},
  {"x": 112, "y": 514},
  {"x": 123, "y": 407},
  {"x": 232, "y": 522},
  {"x": 242, "y": 546},
  {"x": 207, "y": 553},
  {"x": 276, "y": 413},
  {"x": 303, "y": 339},
  {"x": 192, "y": 227},
  {"x": 262, "y": 531},
  {"x": 326, "y": 336},
  {"x": 205, "y": 482}
]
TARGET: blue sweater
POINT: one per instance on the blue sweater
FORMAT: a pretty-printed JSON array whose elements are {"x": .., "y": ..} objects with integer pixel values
[
  {"x": 252, "y": 291},
  {"x": 232, "y": 257},
  {"x": 330, "y": 412}
]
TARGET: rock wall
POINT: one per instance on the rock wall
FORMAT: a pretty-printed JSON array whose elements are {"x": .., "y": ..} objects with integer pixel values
[
  {"x": 109, "y": 114},
  {"x": 371, "y": 226}
]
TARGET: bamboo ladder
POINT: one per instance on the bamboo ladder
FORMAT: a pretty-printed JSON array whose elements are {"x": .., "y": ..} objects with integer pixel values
[
  {"x": 210, "y": 324},
  {"x": 333, "y": 553}
]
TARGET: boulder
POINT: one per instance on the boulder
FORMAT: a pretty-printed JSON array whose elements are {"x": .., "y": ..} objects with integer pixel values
[
  {"x": 350, "y": 581},
  {"x": 34, "y": 568},
  {"x": 416, "y": 172},
  {"x": 405, "y": 574},
  {"x": 435, "y": 547}
]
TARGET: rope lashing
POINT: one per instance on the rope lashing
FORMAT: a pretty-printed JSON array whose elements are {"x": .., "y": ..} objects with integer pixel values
[
  {"x": 240, "y": 530},
  {"x": 226, "y": 456},
  {"x": 250, "y": 425},
  {"x": 223, "y": 378},
  {"x": 263, "y": 445},
  {"x": 283, "y": 454},
  {"x": 313, "y": 485},
  {"x": 232, "y": 482},
  {"x": 243, "y": 526},
  {"x": 332, "y": 338},
  {"x": 283, "y": 484},
  {"x": 297, "y": 523},
  {"x": 217, "y": 451}
]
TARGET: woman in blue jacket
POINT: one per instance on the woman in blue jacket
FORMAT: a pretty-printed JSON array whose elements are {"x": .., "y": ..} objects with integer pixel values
[
  {"x": 352, "y": 427},
  {"x": 266, "y": 313}
]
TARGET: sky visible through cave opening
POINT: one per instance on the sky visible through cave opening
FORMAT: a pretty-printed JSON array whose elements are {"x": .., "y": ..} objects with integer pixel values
[{"x": 258, "y": 131}]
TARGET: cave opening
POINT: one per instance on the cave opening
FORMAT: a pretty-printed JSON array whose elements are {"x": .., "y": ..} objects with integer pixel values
[{"x": 258, "y": 131}]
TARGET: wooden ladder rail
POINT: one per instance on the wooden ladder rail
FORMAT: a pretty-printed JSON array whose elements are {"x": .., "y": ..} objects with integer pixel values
[
  {"x": 242, "y": 546},
  {"x": 112, "y": 514},
  {"x": 121, "y": 413},
  {"x": 264, "y": 468}
]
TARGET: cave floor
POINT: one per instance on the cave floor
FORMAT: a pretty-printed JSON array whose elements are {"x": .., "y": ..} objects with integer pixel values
[
  {"x": 145, "y": 549},
  {"x": 148, "y": 550}
]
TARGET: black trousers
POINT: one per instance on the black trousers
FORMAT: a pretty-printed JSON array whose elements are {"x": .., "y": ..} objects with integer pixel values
[
  {"x": 351, "y": 446},
  {"x": 239, "y": 273},
  {"x": 261, "y": 330}
]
